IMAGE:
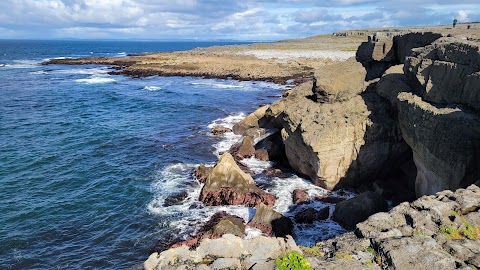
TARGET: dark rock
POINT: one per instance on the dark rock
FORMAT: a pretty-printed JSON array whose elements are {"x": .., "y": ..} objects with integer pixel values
[
  {"x": 217, "y": 130},
  {"x": 175, "y": 199},
  {"x": 350, "y": 212},
  {"x": 201, "y": 173},
  {"x": 273, "y": 144},
  {"x": 311, "y": 215},
  {"x": 271, "y": 222},
  {"x": 329, "y": 199},
  {"x": 300, "y": 196}
]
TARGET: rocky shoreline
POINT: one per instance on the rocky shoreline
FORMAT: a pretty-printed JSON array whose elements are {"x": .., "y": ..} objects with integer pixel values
[{"x": 399, "y": 123}]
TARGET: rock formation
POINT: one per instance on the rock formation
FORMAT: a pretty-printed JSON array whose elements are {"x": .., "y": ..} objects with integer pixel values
[
  {"x": 270, "y": 222},
  {"x": 227, "y": 184}
]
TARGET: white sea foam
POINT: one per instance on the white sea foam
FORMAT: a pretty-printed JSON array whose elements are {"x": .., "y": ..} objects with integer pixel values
[
  {"x": 234, "y": 84},
  {"x": 228, "y": 121},
  {"x": 152, "y": 88},
  {"x": 86, "y": 71},
  {"x": 23, "y": 64},
  {"x": 39, "y": 72},
  {"x": 95, "y": 80},
  {"x": 256, "y": 165},
  {"x": 229, "y": 138},
  {"x": 122, "y": 53},
  {"x": 190, "y": 214}
]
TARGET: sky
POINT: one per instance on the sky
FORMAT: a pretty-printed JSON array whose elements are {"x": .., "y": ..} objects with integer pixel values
[{"x": 218, "y": 19}]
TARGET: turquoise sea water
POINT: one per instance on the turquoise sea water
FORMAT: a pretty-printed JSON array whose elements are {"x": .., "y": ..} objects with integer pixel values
[{"x": 87, "y": 159}]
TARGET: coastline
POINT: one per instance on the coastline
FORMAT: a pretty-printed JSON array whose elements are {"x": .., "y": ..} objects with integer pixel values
[{"x": 232, "y": 66}]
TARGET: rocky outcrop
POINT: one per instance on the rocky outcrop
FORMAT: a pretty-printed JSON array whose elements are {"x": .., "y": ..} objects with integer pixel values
[
  {"x": 270, "y": 222},
  {"x": 378, "y": 54},
  {"x": 330, "y": 87},
  {"x": 201, "y": 173},
  {"x": 341, "y": 143},
  {"x": 447, "y": 72},
  {"x": 445, "y": 143},
  {"x": 217, "y": 130},
  {"x": 227, "y": 252},
  {"x": 350, "y": 212},
  {"x": 227, "y": 184},
  {"x": 250, "y": 121},
  {"x": 439, "y": 231},
  {"x": 243, "y": 149}
]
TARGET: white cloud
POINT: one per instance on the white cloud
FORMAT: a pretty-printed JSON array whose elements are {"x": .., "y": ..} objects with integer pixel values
[{"x": 263, "y": 19}]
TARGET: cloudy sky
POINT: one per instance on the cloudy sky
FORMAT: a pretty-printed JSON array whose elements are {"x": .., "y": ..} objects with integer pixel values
[{"x": 218, "y": 19}]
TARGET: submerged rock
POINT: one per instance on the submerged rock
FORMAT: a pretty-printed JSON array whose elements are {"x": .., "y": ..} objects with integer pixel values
[
  {"x": 217, "y": 130},
  {"x": 227, "y": 184},
  {"x": 311, "y": 215}
]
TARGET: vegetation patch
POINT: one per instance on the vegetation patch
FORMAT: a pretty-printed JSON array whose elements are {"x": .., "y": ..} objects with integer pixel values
[
  {"x": 341, "y": 255},
  {"x": 292, "y": 261},
  {"x": 314, "y": 251},
  {"x": 465, "y": 231}
]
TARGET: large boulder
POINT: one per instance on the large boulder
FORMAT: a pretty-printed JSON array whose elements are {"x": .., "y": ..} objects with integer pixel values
[
  {"x": 339, "y": 81},
  {"x": 342, "y": 143},
  {"x": 445, "y": 143},
  {"x": 350, "y": 212},
  {"x": 243, "y": 149},
  {"x": 270, "y": 222},
  {"x": 447, "y": 72},
  {"x": 227, "y": 184}
]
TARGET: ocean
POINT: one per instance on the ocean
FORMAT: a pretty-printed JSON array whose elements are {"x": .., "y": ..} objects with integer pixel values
[{"x": 89, "y": 161}]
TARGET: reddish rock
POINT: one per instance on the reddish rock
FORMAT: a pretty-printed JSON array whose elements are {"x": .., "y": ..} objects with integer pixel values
[
  {"x": 300, "y": 196},
  {"x": 272, "y": 172},
  {"x": 261, "y": 154},
  {"x": 311, "y": 215},
  {"x": 229, "y": 196},
  {"x": 201, "y": 173},
  {"x": 218, "y": 130},
  {"x": 227, "y": 184}
]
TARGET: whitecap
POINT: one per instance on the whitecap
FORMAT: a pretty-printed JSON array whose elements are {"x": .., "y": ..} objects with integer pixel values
[
  {"x": 228, "y": 121},
  {"x": 95, "y": 80},
  {"x": 229, "y": 138},
  {"x": 23, "y": 64},
  {"x": 152, "y": 88},
  {"x": 39, "y": 72},
  {"x": 86, "y": 71},
  {"x": 189, "y": 215}
]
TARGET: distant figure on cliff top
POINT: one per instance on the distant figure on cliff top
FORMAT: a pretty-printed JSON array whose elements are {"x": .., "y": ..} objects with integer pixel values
[{"x": 454, "y": 22}]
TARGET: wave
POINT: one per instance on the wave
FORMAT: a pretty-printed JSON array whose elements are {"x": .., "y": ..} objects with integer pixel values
[
  {"x": 95, "y": 80},
  {"x": 234, "y": 84},
  {"x": 229, "y": 138},
  {"x": 23, "y": 64},
  {"x": 39, "y": 72},
  {"x": 151, "y": 88},
  {"x": 189, "y": 215},
  {"x": 86, "y": 71}
]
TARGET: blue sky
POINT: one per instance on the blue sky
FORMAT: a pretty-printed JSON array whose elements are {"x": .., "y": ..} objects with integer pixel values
[{"x": 218, "y": 19}]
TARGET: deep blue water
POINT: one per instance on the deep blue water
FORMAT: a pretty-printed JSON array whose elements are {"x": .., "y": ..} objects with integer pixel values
[{"x": 84, "y": 155}]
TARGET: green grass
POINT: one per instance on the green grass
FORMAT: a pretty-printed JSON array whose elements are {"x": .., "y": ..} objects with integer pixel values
[
  {"x": 341, "y": 255},
  {"x": 465, "y": 231}
]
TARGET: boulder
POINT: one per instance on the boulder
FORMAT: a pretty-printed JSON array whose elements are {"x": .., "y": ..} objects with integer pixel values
[
  {"x": 227, "y": 184},
  {"x": 250, "y": 121},
  {"x": 300, "y": 196},
  {"x": 339, "y": 81},
  {"x": 201, "y": 173},
  {"x": 219, "y": 224},
  {"x": 343, "y": 143},
  {"x": 447, "y": 72},
  {"x": 350, "y": 212},
  {"x": 217, "y": 130},
  {"x": 270, "y": 222},
  {"x": 311, "y": 215},
  {"x": 273, "y": 145},
  {"x": 243, "y": 149},
  {"x": 445, "y": 143}
]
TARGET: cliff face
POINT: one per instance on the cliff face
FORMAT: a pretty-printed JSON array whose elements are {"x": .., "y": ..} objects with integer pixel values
[{"x": 425, "y": 99}]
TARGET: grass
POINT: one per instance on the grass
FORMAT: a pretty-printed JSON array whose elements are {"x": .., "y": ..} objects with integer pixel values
[
  {"x": 341, "y": 255},
  {"x": 314, "y": 251},
  {"x": 465, "y": 231}
]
